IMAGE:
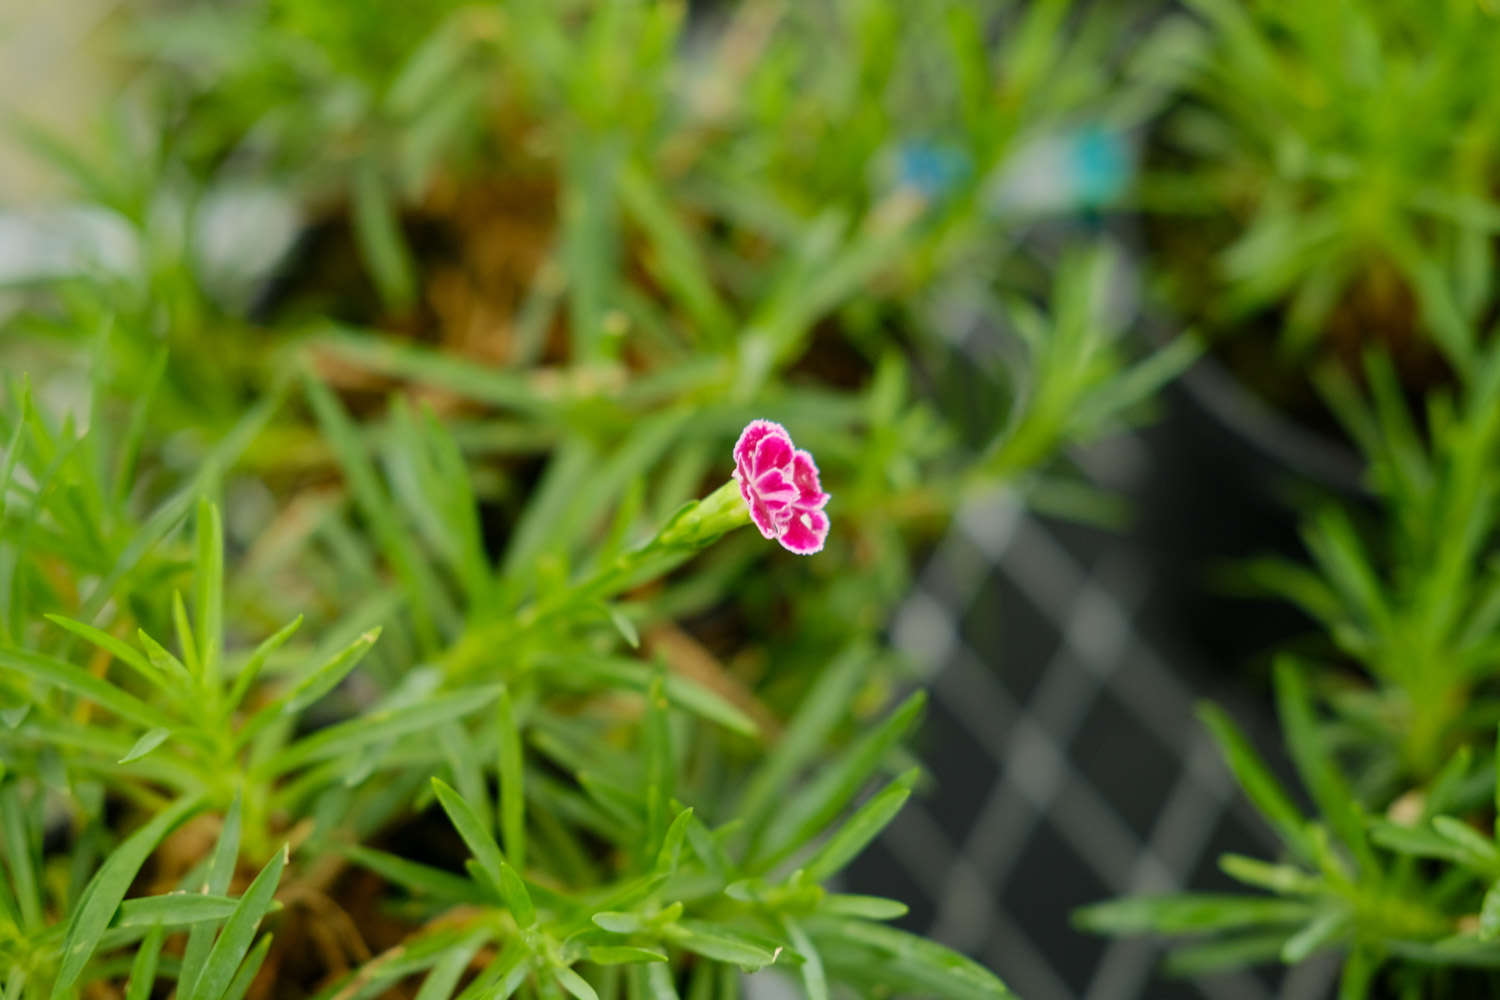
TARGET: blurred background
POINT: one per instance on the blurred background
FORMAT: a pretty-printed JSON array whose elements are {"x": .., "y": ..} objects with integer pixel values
[{"x": 1272, "y": 188}]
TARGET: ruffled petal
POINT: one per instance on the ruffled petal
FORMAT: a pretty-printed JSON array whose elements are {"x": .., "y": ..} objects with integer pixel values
[
  {"x": 806, "y": 532},
  {"x": 810, "y": 493},
  {"x": 775, "y": 487},
  {"x": 765, "y": 519},
  {"x": 780, "y": 509},
  {"x": 744, "y": 449},
  {"x": 774, "y": 451}
]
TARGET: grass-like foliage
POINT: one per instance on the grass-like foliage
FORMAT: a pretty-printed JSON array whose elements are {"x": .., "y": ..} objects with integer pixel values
[
  {"x": 1390, "y": 720},
  {"x": 625, "y": 849},
  {"x": 1354, "y": 146}
]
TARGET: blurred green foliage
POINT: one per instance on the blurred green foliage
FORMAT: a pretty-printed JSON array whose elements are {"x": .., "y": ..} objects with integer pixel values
[
  {"x": 1329, "y": 171},
  {"x": 1389, "y": 717},
  {"x": 1346, "y": 152},
  {"x": 1334, "y": 164}
]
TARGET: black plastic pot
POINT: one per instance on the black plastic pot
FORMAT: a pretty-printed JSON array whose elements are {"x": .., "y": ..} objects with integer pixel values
[{"x": 1319, "y": 457}]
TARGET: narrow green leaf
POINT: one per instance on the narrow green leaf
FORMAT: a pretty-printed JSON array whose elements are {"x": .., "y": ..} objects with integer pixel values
[
  {"x": 1335, "y": 544},
  {"x": 675, "y": 259},
  {"x": 618, "y": 922},
  {"x": 867, "y": 907},
  {"x": 708, "y": 848},
  {"x": 1221, "y": 954},
  {"x": 1448, "y": 782},
  {"x": 325, "y": 677},
  {"x": 624, "y": 954},
  {"x": 186, "y": 640},
  {"x": 623, "y": 625},
  {"x": 512, "y": 781},
  {"x": 1497, "y": 782},
  {"x": 173, "y": 909},
  {"x": 101, "y": 898},
  {"x": 1418, "y": 841},
  {"x": 419, "y": 953},
  {"x": 1317, "y": 769},
  {"x": 502, "y": 977},
  {"x": 719, "y": 944},
  {"x": 1319, "y": 933},
  {"x": 503, "y": 388},
  {"x": 475, "y": 833},
  {"x": 238, "y": 933},
  {"x": 683, "y": 693},
  {"x": 804, "y": 736},
  {"x": 443, "y": 979},
  {"x": 942, "y": 972},
  {"x": 621, "y": 523},
  {"x": 128, "y": 449},
  {"x": 699, "y": 700},
  {"x": 240, "y": 985},
  {"x": 659, "y": 981},
  {"x": 1132, "y": 387},
  {"x": 1471, "y": 841},
  {"x": 1359, "y": 971},
  {"x": 163, "y": 660},
  {"x": 517, "y": 899},
  {"x": 143, "y": 967},
  {"x": 152, "y": 739},
  {"x": 1257, "y": 780},
  {"x": 221, "y": 866},
  {"x": 671, "y": 845},
  {"x": 1190, "y": 913},
  {"x": 429, "y": 598},
  {"x": 464, "y": 762},
  {"x": 822, "y": 799},
  {"x": 382, "y": 246},
  {"x": 575, "y": 984},
  {"x": 13, "y": 447},
  {"x": 21, "y": 851},
  {"x": 1283, "y": 879},
  {"x": 208, "y": 598},
  {"x": 379, "y": 726},
  {"x": 814, "y": 979},
  {"x": 415, "y": 877},
  {"x": 1489, "y": 913},
  {"x": 84, "y": 684},
  {"x": 660, "y": 771},
  {"x": 569, "y": 473},
  {"x": 90, "y": 173},
  {"x": 589, "y": 242},
  {"x": 429, "y": 480},
  {"x": 175, "y": 508},
  {"x": 864, "y": 826},
  {"x": 251, "y": 670},
  {"x": 117, "y": 648}
]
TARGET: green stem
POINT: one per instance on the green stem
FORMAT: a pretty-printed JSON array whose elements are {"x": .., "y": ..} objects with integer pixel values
[
  {"x": 1433, "y": 710},
  {"x": 694, "y": 527}
]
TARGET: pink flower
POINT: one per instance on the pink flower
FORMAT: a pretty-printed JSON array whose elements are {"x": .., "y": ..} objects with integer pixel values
[{"x": 780, "y": 486}]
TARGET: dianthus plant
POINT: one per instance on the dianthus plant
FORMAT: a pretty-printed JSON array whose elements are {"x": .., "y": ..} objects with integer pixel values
[{"x": 190, "y": 800}]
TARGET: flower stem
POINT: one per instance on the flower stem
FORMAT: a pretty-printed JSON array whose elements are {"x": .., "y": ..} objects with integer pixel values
[{"x": 694, "y": 527}]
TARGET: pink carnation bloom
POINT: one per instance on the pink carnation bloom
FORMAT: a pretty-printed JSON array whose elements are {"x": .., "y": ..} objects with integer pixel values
[{"x": 780, "y": 486}]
